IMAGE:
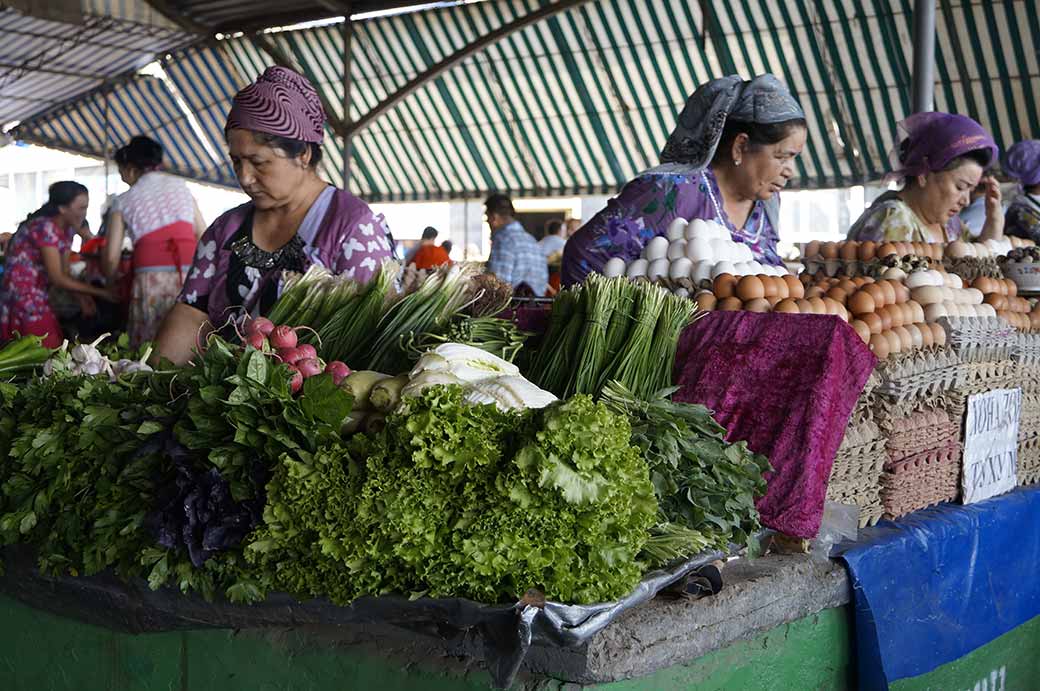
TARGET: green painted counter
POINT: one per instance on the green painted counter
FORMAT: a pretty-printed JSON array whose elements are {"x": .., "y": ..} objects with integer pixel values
[{"x": 42, "y": 652}]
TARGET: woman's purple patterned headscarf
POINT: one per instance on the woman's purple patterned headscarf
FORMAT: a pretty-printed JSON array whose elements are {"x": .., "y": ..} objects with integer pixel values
[
  {"x": 282, "y": 103},
  {"x": 930, "y": 141},
  {"x": 1022, "y": 162}
]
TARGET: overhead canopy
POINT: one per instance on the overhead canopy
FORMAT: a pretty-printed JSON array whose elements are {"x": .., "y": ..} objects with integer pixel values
[{"x": 581, "y": 100}]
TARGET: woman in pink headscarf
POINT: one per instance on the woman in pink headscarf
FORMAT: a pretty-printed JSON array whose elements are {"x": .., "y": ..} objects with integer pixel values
[
  {"x": 293, "y": 220},
  {"x": 940, "y": 161}
]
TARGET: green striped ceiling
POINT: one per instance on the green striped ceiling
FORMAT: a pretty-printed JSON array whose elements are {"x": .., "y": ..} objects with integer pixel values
[{"x": 582, "y": 101}]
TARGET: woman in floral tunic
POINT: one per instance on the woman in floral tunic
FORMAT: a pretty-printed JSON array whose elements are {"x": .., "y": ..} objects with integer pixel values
[
  {"x": 1022, "y": 163},
  {"x": 731, "y": 153},
  {"x": 37, "y": 259},
  {"x": 294, "y": 219}
]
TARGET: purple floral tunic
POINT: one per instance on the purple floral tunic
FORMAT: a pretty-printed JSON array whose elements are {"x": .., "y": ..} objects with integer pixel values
[
  {"x": 340, "y": 232},
  {"x": 645, "y": 207}
]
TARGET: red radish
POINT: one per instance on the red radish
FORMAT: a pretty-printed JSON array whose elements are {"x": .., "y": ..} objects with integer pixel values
[
  {"x": 338, "y": 370},
  {"x": 297, "y": 379},
  {"x": 308, "y": 367},
  {"x": 290, "y": 356},
  {"x": 256, "y": 339},
  {"x": 307, "y": 351},
  {"x": 260, "y": 325},
  {"x": 283, "y": 337}
]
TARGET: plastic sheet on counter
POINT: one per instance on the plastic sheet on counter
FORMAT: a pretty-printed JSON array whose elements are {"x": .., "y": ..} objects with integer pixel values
[
  {"x": 942, "y": 582},
  {"x": 507, "y": 631}
]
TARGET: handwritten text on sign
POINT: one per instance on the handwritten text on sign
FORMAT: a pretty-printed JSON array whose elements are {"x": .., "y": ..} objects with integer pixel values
[{"x": 991, "y": 444}]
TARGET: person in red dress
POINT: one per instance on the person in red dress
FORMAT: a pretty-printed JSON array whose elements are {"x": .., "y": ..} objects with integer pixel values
[{"x": 37, "y": 259}]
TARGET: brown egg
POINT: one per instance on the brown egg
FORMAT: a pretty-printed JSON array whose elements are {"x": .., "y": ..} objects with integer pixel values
[
  {"x": 1012, "y": 287},
  {"x": 861, "y": 303},
  {"x": 804, "y": 306},
  {"x": 938, "y": 335},
  {"x": 805, "y": 279},
  {"x": 773, "y": 300},
  {"x": 879, "y": 344},
  {"x": 782, "y": 289},
  {"x": 866, "y": 251},
  {"x": 749, "y": 288},
  {"x": 812, "y": 249},
  {"x": 768, "y": 285},
  {"x": 814, "y": 292},
  {"x": 889, "y": 289},
  {"x": 895, "y": 343},
  {"x": 838, "y": 295},
  {"x": 886, "y": 249},
  {"x": 725, "y": 286},
  {"x": 706, "y": 301},
  {"x": 862, "y": 330},
  {"x": 906, "y": 341},
  {"x": 917, "y": 314},
  {"x": 757, "y": 305},
  {"x": 873, "y": 322},
  {"x": 818, "y": 305},
  {"x": 860, "y": 281},
  {"x": 908, "y": 313},
  {"x": 895, "y": 315},
  {"x": 832, "y": 306},
  {"x": 886, "y": 319},
  {"x": 998, "y": 301},
  {"x": 829, "y": 250},
  {"x": 848, "y": 250},
  {"x": 877, "y": 294},
  {"x": 926, "y": 335},
  {"x": 788, "y": 306},
  {"x": 795, "y": 289},
  {"x": 902, "y": 292},
  {"x": 730, "y": 304},
  {"x": 981, "y": 283}
]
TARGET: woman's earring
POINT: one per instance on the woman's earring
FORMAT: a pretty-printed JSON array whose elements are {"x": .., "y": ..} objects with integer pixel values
[{"x": 736, "y": 161}]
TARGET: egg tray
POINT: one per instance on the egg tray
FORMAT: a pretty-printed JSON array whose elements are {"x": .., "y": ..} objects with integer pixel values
[
  {"x": 869, "y": 503},
  {"x": 970, "y": 268},
  {"x": 1027, "y": 377},
  {"x": 976, "y": 339},
  {"x": 1027, "y": 349},
  {"x": 919, "y": 374},
  {"x": 1029, "y": 461},
  {"x": 863, "y": 411},
  {"x": 835, "y": 267},
  {"x": 1029, "y": 419},
  {"x": 908, "y": 444},
  {"x": 920, "y": 481},
  {"x": 986, "y": 376},
  {"x": 865, "y": 433},
  {"x": 925, "y": 385},
  {"x": 860, "y": 469},
  {"x": 950, "y": 401}
]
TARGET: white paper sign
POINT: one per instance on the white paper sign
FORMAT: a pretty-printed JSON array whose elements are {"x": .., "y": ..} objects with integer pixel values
[{"x": 991, "y": 444}]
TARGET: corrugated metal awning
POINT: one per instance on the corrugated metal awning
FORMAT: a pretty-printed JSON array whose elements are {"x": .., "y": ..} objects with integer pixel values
[{"x": 580, "y": 102}]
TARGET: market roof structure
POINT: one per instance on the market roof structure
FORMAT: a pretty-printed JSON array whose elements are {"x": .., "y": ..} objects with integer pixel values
[{"x": 570, "y": 96}]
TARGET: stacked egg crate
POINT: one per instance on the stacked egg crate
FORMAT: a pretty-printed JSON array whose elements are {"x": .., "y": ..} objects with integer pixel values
[
  {"x": 856, "y": 473},
  {"x": 1027, "y": 376},
  {"x": 923, "y": 449}
]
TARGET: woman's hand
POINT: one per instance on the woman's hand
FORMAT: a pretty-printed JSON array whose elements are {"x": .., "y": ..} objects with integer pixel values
[
  {"x": 994, "y": 227},
  {"x": 87, "y": 306}
]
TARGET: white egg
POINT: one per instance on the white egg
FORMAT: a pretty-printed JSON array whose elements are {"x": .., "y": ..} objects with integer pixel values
[
  {"x": 657, "y": 248},
  {"x": 953, "y": 281},
  {"x": 756, "y": 266},
  {"x": 722, "y": 268},
  {"x": 676, "y": 229},
  {"x": 614, "y": 267},
  {"x": 702, "y": 271},
  {"x": 743, "y": 268},
  {"x": 657, "y": 270},
  {"x": 680, "y": 270},
  {"x": 637, "y": 269},
  {"x": 698, "y": 228},
  {"x": 676, "y": 249},
  {"x": 744, "y": 252},
  {"x": 720, "y": 231},
  {"x": 699, "y": 249},
  {"x": 723, "y": 250},
  {"x": 681, "y": 292}
]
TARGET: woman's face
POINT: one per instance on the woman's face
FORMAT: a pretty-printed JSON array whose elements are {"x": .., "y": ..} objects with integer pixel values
[
  {"x": 267, "y": 175},
  {"x": 944, "y": 194},
  {"x": 74, "y": 214},
  {"x": 766, "y": 169}
]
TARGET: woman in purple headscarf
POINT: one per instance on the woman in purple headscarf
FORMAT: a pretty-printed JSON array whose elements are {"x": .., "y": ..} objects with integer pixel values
[
  {"x": 1022, "y": 163},
  {"x": 731, "y": 153},
  {"x": 293, "y": 220},
  {"x": 940, "y": 161}
]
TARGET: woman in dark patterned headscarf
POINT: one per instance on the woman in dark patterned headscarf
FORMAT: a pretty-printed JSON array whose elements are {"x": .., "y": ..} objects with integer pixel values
[
  {"x": 294, "y": 218},
  {"x": 731, "y": 153},
  {"x": 1022, "y": 163}
]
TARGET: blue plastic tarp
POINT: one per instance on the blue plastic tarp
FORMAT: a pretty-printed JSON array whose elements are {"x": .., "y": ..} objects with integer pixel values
[{"x": 938, "y": 584}]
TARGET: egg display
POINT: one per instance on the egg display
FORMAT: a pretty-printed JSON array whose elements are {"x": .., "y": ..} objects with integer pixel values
[{"x": 1000, "y": 298}]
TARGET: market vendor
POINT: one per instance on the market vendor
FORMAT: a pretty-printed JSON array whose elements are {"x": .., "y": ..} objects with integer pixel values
[
  {"x": 37, "y": 259},
  {"x": 1022, "y": 162},
  {"x": 942, "y": 158},
  {"x": 294, "y": 218},
  {"x": 731, "y": 153}
]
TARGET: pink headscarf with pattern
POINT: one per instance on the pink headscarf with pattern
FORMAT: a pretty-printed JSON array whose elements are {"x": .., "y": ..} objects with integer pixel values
[{"x": 281, "y": 102}]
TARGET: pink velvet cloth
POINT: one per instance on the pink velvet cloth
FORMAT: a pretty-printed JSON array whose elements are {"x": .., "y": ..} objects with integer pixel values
[{"x": 785, "y": 383}]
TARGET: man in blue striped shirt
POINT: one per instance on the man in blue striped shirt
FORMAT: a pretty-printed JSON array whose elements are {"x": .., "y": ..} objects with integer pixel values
[{"x": 516, "y": 257}]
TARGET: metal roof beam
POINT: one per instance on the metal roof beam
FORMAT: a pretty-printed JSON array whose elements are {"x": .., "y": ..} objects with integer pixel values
[
  {"x": 178, "y": 17},
  {"x": 455, "y": 58}
]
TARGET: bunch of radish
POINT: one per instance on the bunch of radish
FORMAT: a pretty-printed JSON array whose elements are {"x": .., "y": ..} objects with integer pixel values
[{"x": 302, "y": 359}]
